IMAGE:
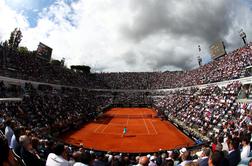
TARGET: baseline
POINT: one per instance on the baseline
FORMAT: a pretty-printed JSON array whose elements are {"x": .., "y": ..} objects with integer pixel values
[{"x": 140, "y": 134}]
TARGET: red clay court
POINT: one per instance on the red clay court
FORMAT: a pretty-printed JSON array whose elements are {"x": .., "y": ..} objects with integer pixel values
[{"x": 145, "y": 132}]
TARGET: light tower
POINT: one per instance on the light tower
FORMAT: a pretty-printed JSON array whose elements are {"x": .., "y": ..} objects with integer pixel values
[
  {"x": 243, "y": 36},
  {"x": 199, "y": 57}
]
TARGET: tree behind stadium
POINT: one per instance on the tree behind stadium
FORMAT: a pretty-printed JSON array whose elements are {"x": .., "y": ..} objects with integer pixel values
[{"x": 15, "y": 39}]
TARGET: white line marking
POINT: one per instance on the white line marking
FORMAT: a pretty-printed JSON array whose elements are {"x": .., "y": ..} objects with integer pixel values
[
  {"x": 127, "y": 121},
  {"x": 104, "y": 129},
  {"x": 97, "y": 128},
  {"x": 110, "y": 133},
  {"x": 121, "y": 124},
  {"x": 146, "y": 125},
  {"x": 153, "y": 126}
]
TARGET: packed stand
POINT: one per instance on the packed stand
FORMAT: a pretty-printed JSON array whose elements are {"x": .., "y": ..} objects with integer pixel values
[
  {"x": 205, "y": 111},
  {"x": 246, "y": 92},
  {"x": 59, "y": 154},
  {"x": 211, "y": 114},
  {"x": 42, "y": 115},
  {"x": 126, "y": 80},
  {"x": 28, "y": 66},
  {"x": 229, "y": 67},
  {"x": 131, "y": 98}
]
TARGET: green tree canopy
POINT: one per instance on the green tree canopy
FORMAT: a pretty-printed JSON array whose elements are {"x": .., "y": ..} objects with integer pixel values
[{"x": 15, "y": 38}]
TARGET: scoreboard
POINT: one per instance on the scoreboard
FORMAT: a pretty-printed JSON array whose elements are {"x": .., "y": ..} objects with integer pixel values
[
  {"x": 44, "y": 52},
  {"x": 217, "y": 49}
]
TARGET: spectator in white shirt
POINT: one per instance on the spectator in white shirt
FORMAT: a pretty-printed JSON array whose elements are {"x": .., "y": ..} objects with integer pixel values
[
  {"x": 245, "y": 148},
  {"x": 8, "y": 131},
  {"x": 225, "y": 144},
  {"x": 57, "y": 159},
  {"x": 15, "y": 137},
  {"x": 152, "y": 161}
]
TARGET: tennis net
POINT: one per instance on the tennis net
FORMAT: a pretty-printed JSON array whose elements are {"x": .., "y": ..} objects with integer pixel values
[{"x": 130, "y": 116}]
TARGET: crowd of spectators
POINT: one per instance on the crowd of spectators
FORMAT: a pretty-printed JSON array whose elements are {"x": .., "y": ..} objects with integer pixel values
[
  {"x": 44, "y": 152},
  {"x": 211, "y": 115},
  {"x": 28, "y": 128},
  {"x": 131, "y": 98},
  {"x": 246, "y": 92},
  {"x": 29, "y": 67},
  {"x": 208, "y": 111},
  {"x": 229, "y": 67},
  {"x": 42, "y": 115}
]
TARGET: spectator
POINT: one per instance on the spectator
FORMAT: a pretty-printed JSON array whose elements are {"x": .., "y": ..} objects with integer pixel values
[
  {"x": 152, "y": 161},
  {"x": 250, "y": 162},
  {"x": 82, "y": 159},
  {"x": 15, "y": 138},
  {"x": 8, "y": 130},
  {"x": 99, "y": 160},
  {"x": 169, "y": 163},
  {"x": 58, "y": 157},
  {"x": 214, "y": 144},
  {"x": 4, "y": 151},
  {"x": 192, "y": 164},
  {"x": 245, "y": 148},
  {"x": 27, "y": 153},
  {"x": 203, "y": 161},
  {"x": 143, "y": 161},
  {"x": 186, "y": 158},
  {"x": 216, "y": 159},
  {"x": 234, "y": 156}
]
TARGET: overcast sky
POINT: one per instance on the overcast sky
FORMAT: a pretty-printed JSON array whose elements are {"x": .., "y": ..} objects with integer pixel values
[{"x": 128, "y": 35}]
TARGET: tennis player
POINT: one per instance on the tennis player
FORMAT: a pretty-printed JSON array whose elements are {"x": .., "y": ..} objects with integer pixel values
[{"x": 124, "y": 131}]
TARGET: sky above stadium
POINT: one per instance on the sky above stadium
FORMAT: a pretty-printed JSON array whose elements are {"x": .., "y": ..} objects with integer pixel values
[{"x": 128, "y": 35}]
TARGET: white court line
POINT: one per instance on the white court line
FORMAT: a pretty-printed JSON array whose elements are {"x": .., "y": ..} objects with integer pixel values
[
  {"x": 116, "y": 124},
  {"x": 97, "y": 128},
  {"x": 146, "y": 125},
  {"x": 110, "y": 133},
  {"x": 120, "y": 124},
  {"x": 127, "y": 121},
  {"x": 104, "y": 129},
  {"x": 153, "y": 126}
]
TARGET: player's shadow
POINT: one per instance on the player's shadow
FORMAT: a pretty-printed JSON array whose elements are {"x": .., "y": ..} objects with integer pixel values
[{"x": 130, "y": 135}]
